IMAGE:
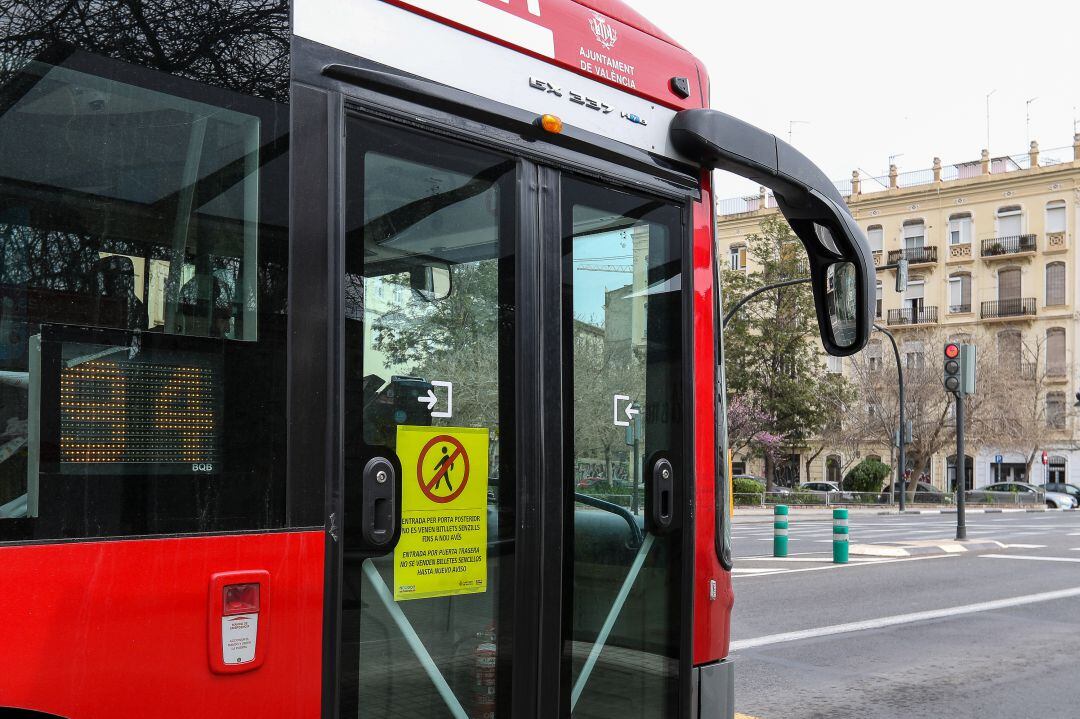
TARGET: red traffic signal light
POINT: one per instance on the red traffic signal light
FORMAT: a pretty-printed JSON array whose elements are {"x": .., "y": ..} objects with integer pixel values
[{"x": 952, "y": 350}]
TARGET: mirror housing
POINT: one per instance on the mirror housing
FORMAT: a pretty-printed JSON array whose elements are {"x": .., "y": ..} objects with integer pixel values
[
  {"x": 810, "y": 203},
  {"x": 432, "y": 281}
]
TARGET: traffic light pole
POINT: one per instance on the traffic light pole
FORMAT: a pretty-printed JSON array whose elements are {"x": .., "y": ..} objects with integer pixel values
[
  {"x": 900, "y": 435},
  {"x": 961, "y": 469}
]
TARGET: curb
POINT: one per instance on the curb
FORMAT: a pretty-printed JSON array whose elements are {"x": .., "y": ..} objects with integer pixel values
[{"x": 922, "y": 550}]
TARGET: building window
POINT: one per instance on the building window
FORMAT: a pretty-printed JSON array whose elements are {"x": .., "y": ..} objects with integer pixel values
[
  {"x": 737, "y": 255},
  {"x": 1055, "y": 284},
  {"x": 960, "y": 228},
  {"x": 878, "y": 300},
  {"x": 835, "y": 365},
  {"x": 1009, "y": 284},
  {"x": 1055, "y": 352},
  {"x": 914, "y": 234},
  {"x": 1010, "y": 348},
  {"x": 1009, "y": 221},
  {"x": 1055, "y": 409},
  {"x": 876, "y": 235},
  {"x": 832, "y": 468},
  {"x": 960, "y": 293},
  {"x": 1055, "y": 216},
  {"x": 913, "y": 300},
  {"x": 914, "y": 356},
  {"x": 873, "y": 355}
]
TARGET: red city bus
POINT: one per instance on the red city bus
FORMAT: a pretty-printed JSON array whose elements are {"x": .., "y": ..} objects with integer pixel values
[{"x": 361, "y": 358}]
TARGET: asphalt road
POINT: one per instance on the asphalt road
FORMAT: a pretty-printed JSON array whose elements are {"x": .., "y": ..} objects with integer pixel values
[{"x": 987, "y": 635}]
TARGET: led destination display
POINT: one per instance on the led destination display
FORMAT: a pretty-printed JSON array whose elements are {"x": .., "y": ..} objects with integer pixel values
[{"x": 113, "y": 410}]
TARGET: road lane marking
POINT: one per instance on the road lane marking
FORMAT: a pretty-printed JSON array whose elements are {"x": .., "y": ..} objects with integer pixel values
[
  {"x": 1025, "y": 546},
  {"x": 1030, "y": 558},
  {"x": 842, "y": 566},
  {"x": 899, "y": 619}
]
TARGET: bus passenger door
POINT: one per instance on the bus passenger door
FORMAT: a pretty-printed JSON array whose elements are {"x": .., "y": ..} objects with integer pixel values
[
  {"x": 454, "y": 501},
  {"x": 625, "y": 440},
  {"x": 429, "y": 489}
]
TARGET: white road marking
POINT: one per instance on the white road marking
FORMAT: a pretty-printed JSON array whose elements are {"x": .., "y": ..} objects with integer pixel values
[
  {"x": 911, "y": 618},
  {"x": 853, "y": 564},
  {"x": 756, "y": 570},
  {"x": 823, "y": 557},
  {"x": 1024, "y": 546},
  {"x": 1030, "y": 558}
]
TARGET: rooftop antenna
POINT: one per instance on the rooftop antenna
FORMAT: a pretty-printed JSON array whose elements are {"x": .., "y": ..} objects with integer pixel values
[
  {"x": 791, "y": 127},
  {"x": 1027, "y": 118},
  {"x": 988, "y": 118}
]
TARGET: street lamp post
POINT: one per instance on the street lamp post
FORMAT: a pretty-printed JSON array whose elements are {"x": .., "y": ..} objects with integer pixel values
[{"x": 900, "y": 438}]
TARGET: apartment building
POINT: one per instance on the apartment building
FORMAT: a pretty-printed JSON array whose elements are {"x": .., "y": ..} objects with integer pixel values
[{"x": 991, "y": 246}]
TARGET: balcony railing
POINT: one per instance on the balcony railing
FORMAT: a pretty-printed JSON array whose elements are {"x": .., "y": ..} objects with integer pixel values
[
  {"x": 914, "y": 255},
  {"x": 1018, "y": 307},
  {"x": 911, "y": 316},
  {"x": 1014, "y": 245}
]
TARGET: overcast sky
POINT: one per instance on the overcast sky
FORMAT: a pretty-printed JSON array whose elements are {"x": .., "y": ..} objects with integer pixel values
[{"x": 874, "y": 79}]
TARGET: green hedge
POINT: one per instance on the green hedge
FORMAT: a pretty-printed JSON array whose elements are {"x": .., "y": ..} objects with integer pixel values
[{"x": 867, "y": 476}]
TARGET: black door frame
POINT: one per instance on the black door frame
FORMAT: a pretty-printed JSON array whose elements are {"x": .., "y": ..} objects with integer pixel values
[{"x": 316, "y": 379}]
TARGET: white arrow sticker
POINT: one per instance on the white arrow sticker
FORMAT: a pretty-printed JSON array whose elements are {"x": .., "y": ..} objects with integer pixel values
[
  {"x": 629, "y": 411},
  {"x": 430, "y": 399}
]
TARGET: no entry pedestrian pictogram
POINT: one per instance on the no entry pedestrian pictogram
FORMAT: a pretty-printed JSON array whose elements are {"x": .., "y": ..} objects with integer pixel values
[
  {"x": 444, "y": 512},
  {"x": 442, "y": 469}
]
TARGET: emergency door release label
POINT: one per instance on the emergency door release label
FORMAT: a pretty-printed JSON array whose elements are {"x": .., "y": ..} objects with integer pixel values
[
  {"x": 238, "y": 635},
  {"x": 443, "y": 545}
]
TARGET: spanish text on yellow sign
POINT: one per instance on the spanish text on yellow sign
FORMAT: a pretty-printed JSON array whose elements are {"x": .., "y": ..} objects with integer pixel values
[{"x": 443, "y": 545}]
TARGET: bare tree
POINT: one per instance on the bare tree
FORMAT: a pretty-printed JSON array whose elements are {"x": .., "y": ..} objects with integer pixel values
[{"x": 928, "y": 407}]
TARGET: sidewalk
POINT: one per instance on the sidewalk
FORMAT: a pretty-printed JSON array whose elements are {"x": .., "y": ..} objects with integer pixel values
[{"x": 751, "y": 515}]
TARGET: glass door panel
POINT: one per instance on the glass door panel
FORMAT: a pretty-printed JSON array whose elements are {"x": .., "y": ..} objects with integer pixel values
[
  {"x": 623, "y": 279},
  {"x": 429, "y": 322}
]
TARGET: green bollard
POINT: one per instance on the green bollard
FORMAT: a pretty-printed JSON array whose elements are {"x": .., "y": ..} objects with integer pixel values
[
  {"x": 839, "y": 536},
  {"x": 780, "y": 527}
]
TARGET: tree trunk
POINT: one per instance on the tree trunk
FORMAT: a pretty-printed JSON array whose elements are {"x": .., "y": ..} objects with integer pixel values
[
  {"x": 769, "y": 470},
  {"x": 811, "y": 459}
]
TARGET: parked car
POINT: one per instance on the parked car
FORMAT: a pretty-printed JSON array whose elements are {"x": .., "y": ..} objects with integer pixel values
[
  {"x": 1020, "y": 493},
  {"x": 829, "y": 488},
  {"x": 924, "y": 493},
  {"x": 1070, "y": 489}
]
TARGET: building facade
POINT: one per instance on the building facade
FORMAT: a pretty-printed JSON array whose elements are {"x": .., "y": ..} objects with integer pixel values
[{"x": 991, "y": 247}]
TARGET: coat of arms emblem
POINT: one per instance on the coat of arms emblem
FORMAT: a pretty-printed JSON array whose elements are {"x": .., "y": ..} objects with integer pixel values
[{"x": 605, "y": 34}]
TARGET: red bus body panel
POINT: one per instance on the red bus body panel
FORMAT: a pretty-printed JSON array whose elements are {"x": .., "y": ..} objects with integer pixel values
[
  {"x": 638, "y": 61},
  {"x": 80, "y": 615},
  {"x": 712, "y": 626}
]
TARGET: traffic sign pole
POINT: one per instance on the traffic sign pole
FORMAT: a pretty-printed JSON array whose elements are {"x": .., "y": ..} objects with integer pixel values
[{"x": 961, "y": 480}]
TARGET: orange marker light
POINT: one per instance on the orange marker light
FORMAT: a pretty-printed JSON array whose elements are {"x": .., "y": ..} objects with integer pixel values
[{"x": 551, "y": 123}]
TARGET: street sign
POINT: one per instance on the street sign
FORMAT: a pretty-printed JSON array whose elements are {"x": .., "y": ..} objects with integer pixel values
[
  {"x": 1045, "y": 459},
  {"x": 998, "y": 459},
  {"x": 967, "y": 369}
]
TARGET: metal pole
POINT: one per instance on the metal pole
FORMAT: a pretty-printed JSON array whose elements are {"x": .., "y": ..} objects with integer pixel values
[
  {"x": 758, "y": 291},
  {"x": 901, "y": 439},
  {"x": 786, "y": 283},
  {"x": 961, "y": 481}
]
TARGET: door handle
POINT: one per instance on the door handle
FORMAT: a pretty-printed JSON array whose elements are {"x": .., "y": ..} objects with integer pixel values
[
  {"x": 379, "y": 508},
  {"x": 663, "y": 494}
]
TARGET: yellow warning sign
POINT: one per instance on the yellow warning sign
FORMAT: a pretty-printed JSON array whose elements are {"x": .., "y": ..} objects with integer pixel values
[{"x": 443, "y": 545}]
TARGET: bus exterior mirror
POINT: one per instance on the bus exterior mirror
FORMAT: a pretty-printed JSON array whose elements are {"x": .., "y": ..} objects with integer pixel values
[
  {"x": 431, "y": 281},
  {"x": 841, "y": 264}
]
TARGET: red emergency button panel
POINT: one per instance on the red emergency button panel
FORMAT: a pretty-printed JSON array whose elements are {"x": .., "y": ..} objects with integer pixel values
[
  {"x": 241, "y": 599},
  {"x": 238, "y": 622}
]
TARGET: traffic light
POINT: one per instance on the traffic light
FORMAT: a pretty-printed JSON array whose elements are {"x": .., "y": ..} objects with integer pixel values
[{"x": 952, "y": 367}]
